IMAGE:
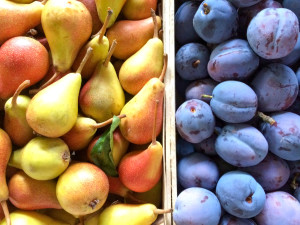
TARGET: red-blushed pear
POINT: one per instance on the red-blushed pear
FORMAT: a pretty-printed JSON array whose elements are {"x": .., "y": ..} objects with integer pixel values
[
  {"x": 139, "y": 111},
  {"x": 82, "y": 189},
  {"x": 30, "y": 194},
  {"x": 115, "y": 5},
  {"x": 16, "y": 18},
  {"x": 131, "y": 35},
  {"x": 138, "y": 9},
  {"x": 102, "y": 96},
  {"x": 22, "y": 58},
  {"x": 91, "y": 6},
  {"x": 141, "y": 170},
  {"x": 67, "y": 25},
  {"x": 15, "y": 123},
  {"x": 100, "y": 45},
  {"x": 5, "y": 152},
  {"x": 83, "y": 131},
  {"x": 145, "y": 64},
  {"x": 53, "y": 111}
]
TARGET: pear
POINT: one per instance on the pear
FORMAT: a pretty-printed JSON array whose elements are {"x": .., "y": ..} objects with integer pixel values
[
  {"x": 138, "y": 9},
  {"x": 30, "y": 194},
  {"x": 15, "y": 123},
  {"x": 102, "y": 96},
  {"x": 42, "y": 158},
  {"x": 115, "y": 5},
  {"x": 22, "y": 217},
  {"x": 22, "y": 58},
  {"x": 62, "y": 215},
  {"x": 141, "y": 170},
  {"x": 119, "y": 148},
  {"x": 5, "y": 152},
  {"x": 53, "y": 111},
  {"x": 130, "y": 214},
  {"x": 83, "y": 131},
  {"x": 16, "y": 19},
  {"x": 82, "y": 189},
  {"x": 100, "y": 46},
  {"x": 131, "y": 35},
  {"x": 67, "y": 25},
  {"x": 22, "y": 1},
  {"x": 137, "y": 125},
  {"x": 144, "y": 64}
]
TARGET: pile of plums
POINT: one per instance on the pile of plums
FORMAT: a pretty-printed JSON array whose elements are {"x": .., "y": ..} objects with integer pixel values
[{"x": 238, "y": 112}]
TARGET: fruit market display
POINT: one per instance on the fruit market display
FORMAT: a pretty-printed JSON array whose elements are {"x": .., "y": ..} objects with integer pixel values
[
  {"x": 81, "y": 96},
  {"x": 237, "y": 112}
]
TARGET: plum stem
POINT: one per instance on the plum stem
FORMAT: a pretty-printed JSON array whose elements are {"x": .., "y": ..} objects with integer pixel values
[
  {"x": 206, "y": 9},
  {"x": 196, "y": 63},
  {"x": 294, "y": 183},
  {"x": 162, "y": 211},
  {"x": 207, "y": 96},
  {"x": 110, "y": 53},
  {"x": 266, "y": 118},
  {"x": 164, "y": 70},
  {"x": 22, "y": 86}
]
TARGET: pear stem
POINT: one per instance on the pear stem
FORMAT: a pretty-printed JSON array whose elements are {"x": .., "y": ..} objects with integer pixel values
[
  {"x": 110, "y": 53},
  {"x": 107, "y": 19},
  {"x": 207, "y": 96},
  {"x": 88, "y": 53},
  {"x": 15, "y": 159},
  {"x": 47, "y": 83},
  {"x": 6, "y": 212},
  {"x": 162, "y": 211},
  {"x": 154, "y": 124},
  {"x": 164, "y": 70},
  {"x": 22, "y": 86},
  {"x": 155, "y": 35},
  {"x": 44, "y": 2},
  {"x": 266, "y": 118},
  {"x": 109, "y": 121}
]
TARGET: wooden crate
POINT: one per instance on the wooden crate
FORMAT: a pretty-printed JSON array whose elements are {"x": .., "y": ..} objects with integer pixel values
[{"x": 169, "y": 129}]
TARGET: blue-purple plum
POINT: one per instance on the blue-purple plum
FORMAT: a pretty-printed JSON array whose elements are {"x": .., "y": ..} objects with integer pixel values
[
  {"x": 234, "y": 102},
  {"x": 236, "y": 146},
  {"x": 273, "y": 33},
  {"x": 184, "y": 30},
  {"x": 196, "y": 206},
  {"x": 228, "y": 219},
  {"x": 197, "y": 170},
  {"x": 194, "y": 120},
  {"x": 284, "y": 136},
  {"x": 200, "y": 87},
  {"x": 298, "y": 78},
  {"x": 244, "y": 3},
  {"x": 294, "y": 56},
  {"x": 216, "y": 21},
  {"x": 272, "y": 173},
  {"x": 280, "y": 208},
  {"x": 232, "y": 60},
  {"x": 207, "y": 146},
  {"x": 276, "y": 87},
  {"x": 191, "y": 61},
  {"x": 293, "y": 5},
  {"x": 240, "y": 195},
  {"x": 246, "y": 14},
  {"x": 183, "y": 148}
]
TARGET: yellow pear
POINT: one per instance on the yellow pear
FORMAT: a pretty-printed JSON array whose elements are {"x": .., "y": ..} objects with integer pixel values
[
  {"x": 67, "y": 25},
  {"x": 145, "y": 64}
]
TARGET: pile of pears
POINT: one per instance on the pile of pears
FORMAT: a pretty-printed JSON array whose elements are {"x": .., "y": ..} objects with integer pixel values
[{"x": 81, "y": 97}]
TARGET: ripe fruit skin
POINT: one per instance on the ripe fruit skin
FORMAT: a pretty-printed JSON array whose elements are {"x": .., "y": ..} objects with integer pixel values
[{"x": 22, "y": 58}]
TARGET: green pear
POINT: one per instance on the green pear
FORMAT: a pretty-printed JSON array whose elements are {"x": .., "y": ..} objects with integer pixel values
[
  {"x": 30, "y": 194},
  {"x": 102, "y": 96},
  {"x": 67, "y": 25},
  {"x": 130, "y": 214},
  {"x": 115, "y": 5},
  {"x": 53, "y": 111},
  {"x": 83, "y": 131},
  {"x": 100, "y": 46},
  {"x": 22, "y": 217},
  {"x": 15, "y": 123},
  {"x": 16, "y": 19},
  {"x": 145, "y": 64},
  {"x": 138, "y": 124},
  {"x": 42, "y": 158}
]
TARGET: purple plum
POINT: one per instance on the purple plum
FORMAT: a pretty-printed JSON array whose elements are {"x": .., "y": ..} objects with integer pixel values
[
  {"x": 207, "y": 146},
  {"x": 244, "y": 3},
  {"x": 200, "y": 87},
  {"x": 228, "y": 219}
]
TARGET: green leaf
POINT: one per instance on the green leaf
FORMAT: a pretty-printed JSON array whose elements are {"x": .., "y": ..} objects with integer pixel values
[{"x": 102, "y": 151}]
